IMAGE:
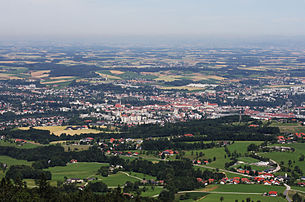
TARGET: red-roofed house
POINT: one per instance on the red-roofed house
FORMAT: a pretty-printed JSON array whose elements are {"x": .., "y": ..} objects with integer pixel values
[
  {"x": 73, "y": 161},
  {"x": 19, "y": 140},
  {"x": 272, "y": 193},
  {"x": 211, "y": 181}
]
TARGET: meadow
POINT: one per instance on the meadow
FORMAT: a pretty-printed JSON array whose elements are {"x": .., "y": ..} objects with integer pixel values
[
  {"x": 219, "y": 153},
  {"x": 76, "y": 170},
  {"x": 152, "y": 191},
  {"x": 246, "y": 188},
  {"x": 85, "y": 170},
  {"x": 240, "y": 197},
  {"x": 289, "y": 127},
  {"x": 21, "y": 146},
  {"x": 11, "y": 161},
  {"x": 286, "y": 156}
]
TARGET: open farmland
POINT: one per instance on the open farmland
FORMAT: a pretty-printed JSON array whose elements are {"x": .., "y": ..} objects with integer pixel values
[
  {"x": 22, "y": 146},
  {"x": 239, "y": 197},
  {"x": 76, "y": 170},
  {"x": 12, "y": 161},
  {"x": 40, "y": 74},
  {"x": 116, "y": 72},
  {"x": 58, "y": 130},
  {"x": 285, "y": 157}
]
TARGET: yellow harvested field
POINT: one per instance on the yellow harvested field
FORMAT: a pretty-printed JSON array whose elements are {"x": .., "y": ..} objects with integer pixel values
[
  {"x": 108, "y": 76},
  {"x": 151, "y": 73},
  {"x": 168, "y": 78},
  {"x": 116, "y": 72},
  {"x": 8, "y": 62},
  {"x": 58, "y": 130},
  {"x": 198, "y": 77},
  {"x": 55, "y": 81},
  {"x": 40, "y": 74},
  {"x": 8, "y": 76},
  {"x": 282, "y": 86},
  {"x": 61, "y": 77},
  {"x": 180, "y": 88}
]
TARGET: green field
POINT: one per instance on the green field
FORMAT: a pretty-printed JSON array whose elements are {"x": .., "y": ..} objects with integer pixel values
[
  {"x": 193, "y": 196},
  {"x": 150, "y": 192},
  {"x": 116, "y": 179},
  {"x": 286, "y": 156},
  {"x": 289, "y": 127},
  {"x": 76, "y": 147},
  {"x": 84, "y": 170},
  {"x": 240, "y": 197},
  {"x": 228, "y": 174},
  {"x": 142, "y": 175},
  {"x": 298, "y": 188},
  {"x": 248, "y": 188},
  {"x": 77, "y": 170},
  {"x": 22, "y": 146},
  {"x": 241, "y": 146},
  {"x": 219, "y": 153},
  {"x": 11, "y": 161},
  {"x": 248, "y": 159}
]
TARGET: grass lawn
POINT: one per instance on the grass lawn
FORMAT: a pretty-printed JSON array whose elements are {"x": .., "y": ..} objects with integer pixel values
[
  {"x": 241, "y": 146},
  {"x": 231, "y": 175},
  {"x": 248, "y": 160},
  {"x": 152, "y": 191},
  {"x": 21, "y": 146},
  {"x": 298, "y": 188},
  {"x": 219, "y": 153},
  {"x": 117, "y": 179},
  {"x": 11, "y": 161},
  {"x": 76, "y": 170},
  {"x": 75, "y": 147},
  {"x": 289, "y": 127},
  {"x": 228, "y": 174},
  {"x": 254, "y": 167},
  {"x": 248, "y": 188},
  {"x": 121, "y": 178},
  {"x": 142, "y": 175},
  {"x": 193, "y": 196},
  {"x": 286, "y": 156},
  {"x": 240, "y": 197},
  {"x": 31, "y": 183}
]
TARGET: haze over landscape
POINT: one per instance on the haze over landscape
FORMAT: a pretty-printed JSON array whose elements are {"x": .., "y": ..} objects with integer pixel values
[
  {"x": 152, "y": 100},
  {"x": 101, "y": 18}
]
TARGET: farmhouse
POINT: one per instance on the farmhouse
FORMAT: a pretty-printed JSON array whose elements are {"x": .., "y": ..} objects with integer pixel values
[
  {"x": 74, "y": 180},
  {"x": 73, "y": 161},
  {"x": 272, "y": 193}
]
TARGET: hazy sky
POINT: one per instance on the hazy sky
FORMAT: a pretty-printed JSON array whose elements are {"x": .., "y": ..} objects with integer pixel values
[{"x": 98, "y": 18}]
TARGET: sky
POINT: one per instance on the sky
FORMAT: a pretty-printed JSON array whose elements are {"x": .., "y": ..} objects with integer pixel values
[{"x": 151, "y": 18}]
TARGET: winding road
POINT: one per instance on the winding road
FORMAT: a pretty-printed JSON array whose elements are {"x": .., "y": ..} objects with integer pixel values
[{"x": 286, "y": 192}]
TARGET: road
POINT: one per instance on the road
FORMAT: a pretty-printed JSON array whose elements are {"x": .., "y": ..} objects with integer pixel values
[
  {"x": 286, "y": 192},
  {"x": 278, "y": 167},
  {"x": 131, "y": 175}
]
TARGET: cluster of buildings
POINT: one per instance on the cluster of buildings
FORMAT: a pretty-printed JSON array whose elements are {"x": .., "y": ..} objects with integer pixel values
[
  {"x": 31, "y": 105},
  {"x": 265, "y": 179}
]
